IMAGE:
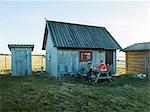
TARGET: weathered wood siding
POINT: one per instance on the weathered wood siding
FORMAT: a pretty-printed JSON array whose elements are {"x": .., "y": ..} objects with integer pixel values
[
  {"x": 51, "y": 57},
  {"x": 114, "y": 61},
  {"x": 72, "y": 58},
  {"x": 138, "y": 62},
  {"x": 21, "y": 61}
]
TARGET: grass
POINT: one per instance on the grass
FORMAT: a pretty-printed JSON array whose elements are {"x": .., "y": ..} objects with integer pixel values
[
  {"x": 121, "y": 71},
  {"x": 35, "y": 94},
  {"x": 121, "y": 65}
]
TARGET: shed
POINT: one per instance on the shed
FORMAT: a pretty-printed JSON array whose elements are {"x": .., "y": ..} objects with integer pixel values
[
  {"x": 73, "y": 45},
  {"x": 21, "y": 59},
  {"x": 138, "y": 58}
]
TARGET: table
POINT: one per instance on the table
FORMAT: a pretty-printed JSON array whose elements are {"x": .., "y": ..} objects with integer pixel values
[{"x": 100, "y": 76}]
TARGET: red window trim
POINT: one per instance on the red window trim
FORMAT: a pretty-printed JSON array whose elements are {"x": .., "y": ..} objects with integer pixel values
[{"x": 85, "y": 60}]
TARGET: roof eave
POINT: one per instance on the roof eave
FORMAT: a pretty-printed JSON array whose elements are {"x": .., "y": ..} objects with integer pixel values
[
  {"x": 136, "y": 50},
  {"x": 20, "y": 46},
  {"x": 45, "y": 38}
]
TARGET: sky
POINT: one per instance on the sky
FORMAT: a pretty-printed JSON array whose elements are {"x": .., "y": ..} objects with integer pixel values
[{"x": 22, "y": 22}]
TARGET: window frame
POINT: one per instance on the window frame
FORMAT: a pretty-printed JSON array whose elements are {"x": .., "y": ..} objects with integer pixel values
[{"x": 85, "y": 60}]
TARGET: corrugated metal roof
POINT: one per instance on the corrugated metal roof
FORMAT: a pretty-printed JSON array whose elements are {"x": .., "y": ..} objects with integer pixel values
[
  {"x": 20, "y": 46},
  {"x": 138, "y": 47},
  {"x": 69, "y": 35}
]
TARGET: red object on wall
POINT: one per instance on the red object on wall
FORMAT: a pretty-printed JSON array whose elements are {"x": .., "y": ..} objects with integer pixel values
[{"x": 85, "y": 56}]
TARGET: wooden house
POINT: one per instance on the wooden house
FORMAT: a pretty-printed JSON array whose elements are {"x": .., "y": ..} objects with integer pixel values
[
  {"x": 21, "y": 61},
  {"x": 138, "y": 58},
  {"x": 73, "y": 45}
]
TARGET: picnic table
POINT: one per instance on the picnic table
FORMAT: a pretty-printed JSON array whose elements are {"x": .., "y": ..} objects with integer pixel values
[
  {"x": 96, "y": 75},
  {"x": 103, "y": 74}
]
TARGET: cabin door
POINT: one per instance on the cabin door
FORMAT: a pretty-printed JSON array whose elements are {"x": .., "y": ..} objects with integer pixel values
[{"x": 109, "y": 57}]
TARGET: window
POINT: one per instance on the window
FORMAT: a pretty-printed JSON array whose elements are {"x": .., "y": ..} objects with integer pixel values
[{"x": 85, "y": 56}]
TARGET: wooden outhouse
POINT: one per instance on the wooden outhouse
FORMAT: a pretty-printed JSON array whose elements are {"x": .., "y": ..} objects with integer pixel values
[
  {"x": 73, "y": 45},
  {"x": 138, "y": 58},
  {"x": 21, "y": 61}
]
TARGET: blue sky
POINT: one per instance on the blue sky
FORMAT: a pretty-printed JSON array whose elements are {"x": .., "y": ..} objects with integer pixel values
[{"x": 23, "y": 22}]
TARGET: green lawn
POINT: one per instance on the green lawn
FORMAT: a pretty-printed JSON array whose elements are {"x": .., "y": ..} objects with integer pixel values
[{"x": 35, "y": 94}]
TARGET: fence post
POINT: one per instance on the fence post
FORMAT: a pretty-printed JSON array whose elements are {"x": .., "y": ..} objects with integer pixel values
[
  {"x": 5, "y": 62},
  {"x": 41, "y": 60}
]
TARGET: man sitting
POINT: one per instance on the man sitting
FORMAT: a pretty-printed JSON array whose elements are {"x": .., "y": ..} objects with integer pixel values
[{"x": 90, "y": 70}]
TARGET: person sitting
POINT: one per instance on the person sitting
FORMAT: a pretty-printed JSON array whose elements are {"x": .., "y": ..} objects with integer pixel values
[
  {"x": 109, "y": 68},
  {"x": 90, "y": 70},
  {"x": 102, "y": 66}
]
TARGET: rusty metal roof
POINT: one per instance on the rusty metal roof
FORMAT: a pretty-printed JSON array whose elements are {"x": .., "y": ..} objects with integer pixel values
[{"x": 70, "y": 35}]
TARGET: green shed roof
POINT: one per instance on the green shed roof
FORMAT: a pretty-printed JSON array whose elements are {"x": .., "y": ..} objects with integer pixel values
[
  {"x": 70, "y": 35},
  {"x": 145, "y": 46}
]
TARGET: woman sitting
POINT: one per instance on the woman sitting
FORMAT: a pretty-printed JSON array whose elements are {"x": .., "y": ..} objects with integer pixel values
[
  {"x": 102, "y": 66},
  {"x": 110, "y": 69}
]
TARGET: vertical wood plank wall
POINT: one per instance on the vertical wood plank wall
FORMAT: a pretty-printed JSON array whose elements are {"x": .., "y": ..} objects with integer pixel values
[
  {"x": 51, "y": 56},
  {"x": 71, "y": 58},
  {"x": 21, "y": 61},
  {"x": 114, "y": 61}
]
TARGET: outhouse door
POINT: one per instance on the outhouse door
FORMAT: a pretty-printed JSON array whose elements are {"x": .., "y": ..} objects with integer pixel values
[{"x": 21, "y": 62}]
